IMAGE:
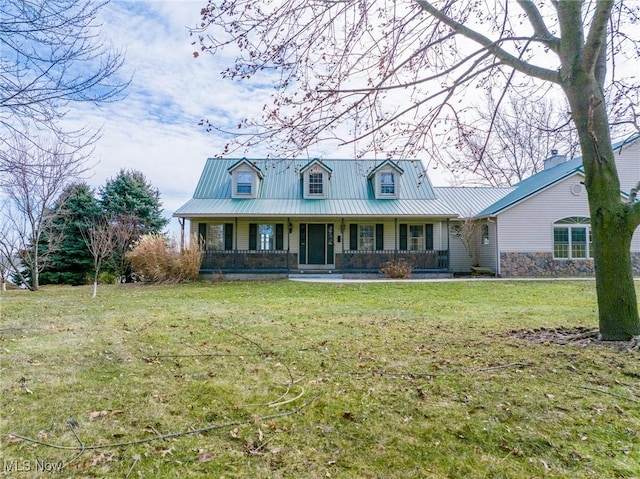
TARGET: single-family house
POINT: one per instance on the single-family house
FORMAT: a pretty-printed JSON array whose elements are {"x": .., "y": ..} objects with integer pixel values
[
  {"x": 541, "y": 226},
  {"x": 288, "y": 216},
  {"x": 352, "y": 216}
]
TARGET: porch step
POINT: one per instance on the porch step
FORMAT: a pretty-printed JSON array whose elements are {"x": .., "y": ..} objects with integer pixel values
[{"x": 316, "y": 275}]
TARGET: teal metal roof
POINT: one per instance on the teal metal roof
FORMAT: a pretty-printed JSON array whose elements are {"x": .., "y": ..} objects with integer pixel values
[
  {"x": 533, "y": 185},
  {"x": 544, "y": 179},
  {"x": 468, "y": 201},
  {"x": 349, "y": 191}
]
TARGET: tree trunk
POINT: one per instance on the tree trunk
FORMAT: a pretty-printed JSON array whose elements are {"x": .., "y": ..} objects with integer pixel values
[
  {"x": 35, "y": 279},
  {"x": 611, "y": 225},
  {"x": 95, "y": 282}
]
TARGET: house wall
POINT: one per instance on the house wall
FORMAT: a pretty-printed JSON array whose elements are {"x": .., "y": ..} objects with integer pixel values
[
  {"x": 628, "y": 166},
  {"x": 488, "y": 257},
  {"x": 459, "y": 259},
  {"x": 461, "y": 262},
  {"x": 526, "y": 232},
  {"x": 528, "y": 226},
  {"x": 391, "y": 232}
]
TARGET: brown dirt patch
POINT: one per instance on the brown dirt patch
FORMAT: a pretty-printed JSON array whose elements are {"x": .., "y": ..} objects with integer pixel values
[{"x": 579, "y": 337}]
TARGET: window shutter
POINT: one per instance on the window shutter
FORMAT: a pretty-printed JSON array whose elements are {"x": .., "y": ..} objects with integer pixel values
[
  {"x": 428, "y": 237},
  {"x": 253, "y": 236},
  {"x": 228, "y": 236},
  {"x": 403, "y": 236},
  {"x": 202, "y": 234},
  {"x": 279, "y": 236},
  {"x": 379, "y": 236},
  {"x": 353, "y": 237}
]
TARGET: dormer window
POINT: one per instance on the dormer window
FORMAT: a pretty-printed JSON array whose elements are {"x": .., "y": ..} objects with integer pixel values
[
  {"x": 245, "y": 179},
  {"x": 315, "y": 180},
  {"x": 315, "y": 184},
  {"x": 244, "y": 183},
  {"x": 387, "y": 183},
  {"x": 384, "y": 180}
]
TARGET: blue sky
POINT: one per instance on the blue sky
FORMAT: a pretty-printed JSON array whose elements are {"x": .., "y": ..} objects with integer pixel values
[{"x": 155, "y": 128}]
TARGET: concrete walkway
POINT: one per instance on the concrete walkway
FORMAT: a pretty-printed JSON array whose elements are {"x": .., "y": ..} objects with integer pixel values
[{"x": 338, "y": 279}]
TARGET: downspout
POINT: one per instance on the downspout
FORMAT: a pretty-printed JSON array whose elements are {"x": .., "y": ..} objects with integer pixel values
[{"x": 497, "y": 250}]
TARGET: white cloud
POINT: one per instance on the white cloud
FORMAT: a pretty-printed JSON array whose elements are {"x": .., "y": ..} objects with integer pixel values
[{"x": 155, "y": 128}]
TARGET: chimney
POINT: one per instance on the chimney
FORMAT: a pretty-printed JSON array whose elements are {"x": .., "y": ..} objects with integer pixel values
[{"x": 554, "y": 160}]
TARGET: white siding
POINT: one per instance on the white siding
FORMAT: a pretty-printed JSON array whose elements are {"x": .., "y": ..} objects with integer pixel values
[
  {"x": 528, "y": 226},
  {"x": 628, "y": 166},
  {"x": 459, "y": 257},
  {"x": 488, "y": 251}
]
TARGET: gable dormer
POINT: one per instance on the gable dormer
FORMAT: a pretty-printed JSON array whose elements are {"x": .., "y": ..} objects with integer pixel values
[
  {"x": 245, "y": 179},
  {"x": 385, "y": 179},
  {"x": 315, "y": 180}
]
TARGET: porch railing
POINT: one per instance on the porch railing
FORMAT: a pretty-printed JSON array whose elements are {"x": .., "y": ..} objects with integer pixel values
[
  {"x": 248, "y": 260},
  {"x": 436, "y": 260},
  {"x": 354, "y": 261}
]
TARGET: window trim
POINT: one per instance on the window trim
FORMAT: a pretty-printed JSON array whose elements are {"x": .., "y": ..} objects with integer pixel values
[
  {"x": 387, "y": 188},
  {"x": 243, "y": 184},
  {"x": 570, "y": 224},
  {"x": 372, "y": 239},
  {"x": 314, "y": 184},
  {"x": 410, "y": 237},
  {"x": 484, "y": 231}
]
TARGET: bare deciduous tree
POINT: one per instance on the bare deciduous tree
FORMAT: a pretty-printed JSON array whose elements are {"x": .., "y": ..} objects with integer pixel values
[
  {"x": 397, "y": 74},
  {"x": 99, "y": 236},
  {"x": 512, "y": 139},
  {"x": 469, "y": 232},
  {"x": 123, "y": 236},
  {"x": 31, "y": 179},
  {"x": 52, "y": 56}
]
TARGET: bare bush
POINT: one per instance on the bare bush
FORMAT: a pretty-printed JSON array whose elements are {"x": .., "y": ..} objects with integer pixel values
[
  {"x": 187, "y": 262},
  {"x": 158, "y": 259},
  {"x": 396, "y": 269}
]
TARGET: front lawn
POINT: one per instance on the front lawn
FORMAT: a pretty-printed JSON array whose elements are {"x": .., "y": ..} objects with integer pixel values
[{"x": 303, "y": 380}]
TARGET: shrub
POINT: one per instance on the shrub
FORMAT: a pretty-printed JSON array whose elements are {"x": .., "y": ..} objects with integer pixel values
[
  {"x": 186, "y": 265},
  {"x": 158, "y": 259},
  {"x": 397, "y": 269}
]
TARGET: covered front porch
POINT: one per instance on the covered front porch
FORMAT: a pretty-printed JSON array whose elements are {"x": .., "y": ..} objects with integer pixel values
[{"x": 348, "y": 261}]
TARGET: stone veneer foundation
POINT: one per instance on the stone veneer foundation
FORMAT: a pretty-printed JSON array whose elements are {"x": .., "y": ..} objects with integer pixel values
[{"x": 543, "y": 264}]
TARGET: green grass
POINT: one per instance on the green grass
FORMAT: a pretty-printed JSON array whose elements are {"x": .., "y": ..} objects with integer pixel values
[{"x": 360, "y": 380}]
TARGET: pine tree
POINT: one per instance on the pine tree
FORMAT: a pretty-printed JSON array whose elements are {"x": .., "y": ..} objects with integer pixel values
[
  {"x": 72, "y": 263},
  {"x": 131, "y": 201}
]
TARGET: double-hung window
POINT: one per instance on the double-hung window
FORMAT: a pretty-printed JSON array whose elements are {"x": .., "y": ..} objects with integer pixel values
[
  {"x": 315, "y": 184},
  {"x": 416, "y": 237},
  {"x": 266, "y": 237},
  {"x": 366, "y": 238},
  {"x": 572, "y": 238},
  {"x": 244, "y": 183},
  {"x": 387, "y": 183}
]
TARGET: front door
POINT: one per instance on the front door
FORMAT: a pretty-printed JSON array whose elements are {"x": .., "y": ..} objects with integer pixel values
[{"x": 316, "y": 243}]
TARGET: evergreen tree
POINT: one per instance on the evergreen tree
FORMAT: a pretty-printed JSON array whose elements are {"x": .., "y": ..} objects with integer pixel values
[
  {"x": 134, "y": 204},
  {"x": 130, "y": 195},
  {"x": 72, "y": 263}
]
